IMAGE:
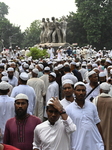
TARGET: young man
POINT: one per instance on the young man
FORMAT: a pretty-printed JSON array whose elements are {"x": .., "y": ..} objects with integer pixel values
[
  {"x": 84, "y": 114},
  {"x": 19, "y": 130},
  {"x": 54, "y": 134}
]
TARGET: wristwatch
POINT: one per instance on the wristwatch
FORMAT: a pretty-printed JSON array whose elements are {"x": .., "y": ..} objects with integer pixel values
[{"x": 62, "y": 111}]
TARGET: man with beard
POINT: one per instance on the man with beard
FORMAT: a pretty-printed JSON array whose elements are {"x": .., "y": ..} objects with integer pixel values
[
  {"x": 84, "y": 114},
  {"x": 12, "y": 79},
  {"x": 19, "y": 130}
]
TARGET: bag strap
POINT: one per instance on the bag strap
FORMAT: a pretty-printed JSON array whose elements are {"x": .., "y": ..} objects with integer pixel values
[{"x": 91, "y": 91}]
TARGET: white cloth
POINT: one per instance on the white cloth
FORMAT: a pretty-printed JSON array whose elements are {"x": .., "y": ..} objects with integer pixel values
[
  {"x": 45, "y": 78},
  {"x": 83, "y": 72},
  {"x": 53, "y": 137},
  {"x": 87, "y": 135},
  {"x": 13, "y": 81},
  {"x": 39, "y": 88},
  {"x": 29, "y": 91},
  {"x": 69, "y": 76},
  {"x": 7, "y": 110},
  {"x": 94, "y": 93},
  {"x": 65, "y": 103}
]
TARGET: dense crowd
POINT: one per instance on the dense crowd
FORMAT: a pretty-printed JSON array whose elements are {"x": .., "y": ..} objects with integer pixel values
[{"x": 61, "y": 102}]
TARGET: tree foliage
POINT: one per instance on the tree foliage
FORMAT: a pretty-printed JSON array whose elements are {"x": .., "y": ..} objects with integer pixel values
[
  {"x": 31, "y": 34},
  {"x": 3, "y": 10},
  {"x": 37, "y": 53}
]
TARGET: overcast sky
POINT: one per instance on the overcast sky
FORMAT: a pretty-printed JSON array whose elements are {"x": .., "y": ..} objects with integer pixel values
[{"x": 23, "y": 12}]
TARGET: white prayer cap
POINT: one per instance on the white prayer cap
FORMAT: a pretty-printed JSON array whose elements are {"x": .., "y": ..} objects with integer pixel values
[
  {"x": 10, "y": 69},
  {"x": 78, "y": 64},
  {"x": 49, "y": 62},
  {"x": 5, "y": 78},
  {"x": 73, "y": 63},
  {"x": 67, "y": 81},
  {"x": 31, "y": 67},
  {"x": 60, "y": 66},
  {"x": 110, "y": 71},
  {"x": 1, "y": 64},
  {"x": 24, "y": 76},
  {"x": 21, "y": 96},
  {"x": 26, "y": 65},
  {"x": 4, "y": 73},
  {"x": 79, "y": 83},
  {"x": 94, "y": 65},
  {"x": 98, "y": 60},
  {"x": 47, "y": 68},
  {"x": 49, "y": 102},
  {"x": 41, "y": 66},
  {"x": 66, "y": 63},
  {"x": 102, "y": 74},
  {"x": 109, "y": 61},
  {"x": 105, "y": 86},
  {"x": 91, "y": 73},
  {"x": 55, "y": 68},
  {"x": 35, "y": 70},
  {"x": 53, "y": 74},
  {"x": 4, "y": 85}
]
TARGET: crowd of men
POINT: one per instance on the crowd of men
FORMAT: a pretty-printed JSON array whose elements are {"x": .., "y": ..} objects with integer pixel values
[{"x": 62, "y": 102}]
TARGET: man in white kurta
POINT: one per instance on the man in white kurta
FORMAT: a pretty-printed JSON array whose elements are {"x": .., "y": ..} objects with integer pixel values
[
  {"x": 6, "y": 106},
  {"x": 25, "y": 89},
  {"x": 84, "y": 114},
  {"x": 54, "y": 134},
  {"x": 38, "y": 85}
]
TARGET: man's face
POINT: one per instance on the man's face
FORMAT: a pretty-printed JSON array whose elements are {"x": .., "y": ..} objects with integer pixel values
[
  {"x": 68, "y": 90},
  {"x": 51, "y": 78},
  {"x": 21, "y": 107},
  {"x": 94, "y": 78},
  {"x": 10, "y": 74},
  {"x": 80, "y": 92},
  {"x": 53, "y": 114}
]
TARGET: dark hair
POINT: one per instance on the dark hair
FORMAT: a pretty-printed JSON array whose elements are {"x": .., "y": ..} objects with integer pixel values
[
  {"x": 66, "y": 69},
  {"x": 4, "y": 92}
]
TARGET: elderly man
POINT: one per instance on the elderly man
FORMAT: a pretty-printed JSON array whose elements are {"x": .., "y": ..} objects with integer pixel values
[
  {"x": 104, "y": 107},
  {"x": 84, "y": 115},
  {"x": 54, "y": 134},
  {"x": 19, "y": 130}
]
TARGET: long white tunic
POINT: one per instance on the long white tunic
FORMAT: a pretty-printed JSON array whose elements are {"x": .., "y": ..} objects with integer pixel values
[
  {"x": 39, "y": 88},
  {"x": 87, "y": 136},
  {"x": 45, "y": 78},
  {"x": 7, "y": 110},
  {"x": 53, "y": 137},
  {"x": 29, "y": 91},
  {"x": 65, "y": 103}
]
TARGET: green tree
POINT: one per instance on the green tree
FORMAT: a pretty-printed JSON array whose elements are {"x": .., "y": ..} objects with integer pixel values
[
  {"x": 3, "y": 10},
  {"x": 31, "y": 34},
  {"x": 94, "y": 16}
]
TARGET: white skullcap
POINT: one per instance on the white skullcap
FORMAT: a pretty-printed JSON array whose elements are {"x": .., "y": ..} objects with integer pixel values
[
  {"x": 41, "y": 66},
  {"x": 49, "y": 62},
  {"x": 94, "y": 65},
  {"x": 73, "y": 63},
  {"x": 78, "y": 64},
  {"x": 67, "y": 81},
  {"x": 102, "y": 74},
  {"x": 91, "y": 73},
  {"x": 60, "y": 66},
  {"x": 4, "y": 73},
  {"x": 24, "y": 76},
  {"x": 2, "y": 64},
  {"x": 47, "y": 68},
  {"x": 105, "y": 86},
  {"x": 26, "y": 65},
  {"x": 79, "y": 83},
  {"x": 21, "y": 96},
  {"x": 53, "y": 74},
  {"x": 55, "y": 68},
  {"x": 10, "y": 69},
  {"x": 108, "y": 60},
  {"x": 5, "y": 78},
  {"x": 66, "y": 63},
  {"x": 4, "y": 85},
  {"x": 83, "y": 65},
  {"x": 35, "y": 70},
  {"x": 49, "y": 102},
  {"x": 31, "y": 67},
  {"x": 110, "y": 71}
]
